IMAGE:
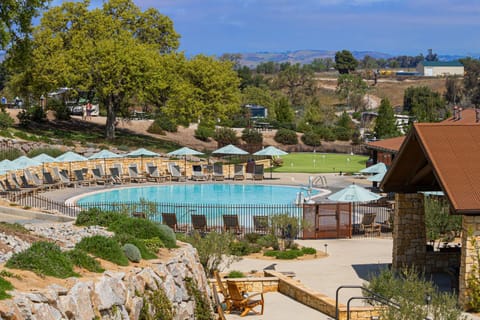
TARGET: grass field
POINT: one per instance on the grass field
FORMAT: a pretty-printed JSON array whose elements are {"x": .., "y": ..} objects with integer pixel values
[{"x": 321, "y": 163}]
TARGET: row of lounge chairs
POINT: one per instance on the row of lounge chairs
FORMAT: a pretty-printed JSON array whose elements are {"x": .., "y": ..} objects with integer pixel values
[{"x": 230, "y": 224}]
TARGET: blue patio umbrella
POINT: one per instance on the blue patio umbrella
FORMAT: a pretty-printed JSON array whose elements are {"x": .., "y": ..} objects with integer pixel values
[
  {"x": 377, "y": 178},
  {"x": 185, "y": 151},
  {"x": 25, "y": 162},
  {"x": 230, "y": 149},
  {"x": 376, "y": 168},
  {"x": 354, "y": 193},
  {"x": 70, "y": 157},
  {"x": 270, "y": 151},
  {"x": 44, "y": 158},
  {"x": 142, "y": 152},
  {"x": 7, "y": 165},
  {"x": 104, "y": 154}
]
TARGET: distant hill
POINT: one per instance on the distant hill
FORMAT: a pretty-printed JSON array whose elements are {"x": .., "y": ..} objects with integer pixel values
[{"x": 300, "y": 56}]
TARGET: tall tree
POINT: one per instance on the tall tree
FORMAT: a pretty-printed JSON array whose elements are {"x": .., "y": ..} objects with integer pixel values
[
  {"x": 385, "y": 125},
  {"x": 284, "y": 111},
  {"x": 113, "y": 50},
  {"x": 471, "y": 82},
  {"x": 351, "y": 87},
  {"x": 424, "y": 104},
  {"x": 431, "y": 56},
  {"x": 454, "y": 90},
  {"x": 297, "y": 81},
  {"x": 345, "y": 62}
]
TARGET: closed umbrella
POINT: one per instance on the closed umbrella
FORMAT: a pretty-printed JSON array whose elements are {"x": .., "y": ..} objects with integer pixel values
[
  {"x": 185, "y": 151},
  {"x": 270, "y": 151}
]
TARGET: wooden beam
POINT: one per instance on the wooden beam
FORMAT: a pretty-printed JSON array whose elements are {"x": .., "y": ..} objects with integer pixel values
[{"x": 420, "y": 174}]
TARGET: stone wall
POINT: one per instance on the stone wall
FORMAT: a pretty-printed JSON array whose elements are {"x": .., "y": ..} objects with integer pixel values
[
  {"x": 113, "y": 295},
  {"x": 470, "y": 228},
  {"x": 409, "y": 235}
]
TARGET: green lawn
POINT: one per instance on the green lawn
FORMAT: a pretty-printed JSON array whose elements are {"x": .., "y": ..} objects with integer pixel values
[{"x": 321, "y": 163}]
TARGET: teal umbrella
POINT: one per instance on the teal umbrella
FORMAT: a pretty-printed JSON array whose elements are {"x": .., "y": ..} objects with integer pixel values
[
  {"x": 7, "y": 165},
  {"x": 377, "y": 178},
  {"x": 185, "y": 151},
  {"x": 44, "y": 158},
  {"x": 70, "y": 157},
  {"x": 142, "y": 152},
  {"x": 376, "y": 168},
  {"x": 25, "y": 162},
  {"x": 230, "y": 149},
  {"x": 271, "y": 152},
  {"x": 104, "y": 154},
  {"x": 354, "y": 193}
]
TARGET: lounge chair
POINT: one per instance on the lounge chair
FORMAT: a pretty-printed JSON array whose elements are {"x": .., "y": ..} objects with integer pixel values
[
  {"x": 218, "y": 172},
  {"x": 197, "y": 173},
  {"x": 218, "y": 304},
  {"x": 369, "y": 226},
  {"x": 239, "y": 172},
  {"x": 154, "y": 175},
  {"x": 260, "y": 224},
  {"x": 244, "y": 301},
  {"x": 123, "y": 176},
  {"x": 22, "y": 183},
  {"x": 80, "y": 178},
  {"x": 258, "y": 172},
  {"x": 49, "y": 181},
  {"x": 175, "y": 172},
  {"x": 199, "y": 223},
  {"x": 62, "y": 176},
  {"x": 170, "y": 219},
  {"x": 117, "y": 176},
  {"x": 134, "y": 175},
  {"x": 231, "y": 224},
  {"x": 33, "y": 178},
  {"x": 98, "y": 178},
  {"x": 223, "y": 291},
  {"x": 29, "y": 182}
]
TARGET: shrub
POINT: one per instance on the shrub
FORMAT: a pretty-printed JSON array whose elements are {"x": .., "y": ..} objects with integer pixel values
[
  {"x": 162, "y": 123},
  {"x": 225, "y": 136},
  {"x": 286, "y": 136},
  {"x": 203, "y": 309},
  {"x": 144, "y": 229},
  {"x": 43, "y": 258},
  {"x": 271, "y": 253},
  {"x": 5, "y": 120},
  {"x": 204, "y": 131},
  {"x": 308, "y": 250},
  {"x": 53, "y": 152},
  {"x": 157, "y": 305},
  {"x": 326, "y": 133},
  {"x": 289, "y": 254},
  {"x": 131, "y": 252},
  {"x": 343, "y": 134},
  {"x": 33, "y": 114},
  {"x": 10, "y": 154},
  {"x": 97, "y": 217},
  {"x": 81, "y": 259},
  {"x": 105, "y": 248},
  {"x": 60, "y": 109},
  {"x": 252, "y": 237},
  {"x": 311, "y": 138},
  {"x": 4, "y": 287},
  {"x": 269, "y": 241},
  {"x": 239, "y": 248},
  {"x": 236, "y": 274},
  {"x": 168, "y": 232},
  {"x": 154, "y": 244},
  {"x": 252, "y": 136},
  {"x": 145, "y": 251}
]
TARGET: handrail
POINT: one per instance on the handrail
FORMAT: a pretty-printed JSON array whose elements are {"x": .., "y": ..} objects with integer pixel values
[
  {"x": 374, "y": 296},
  {"x": 380, "y": 299}
]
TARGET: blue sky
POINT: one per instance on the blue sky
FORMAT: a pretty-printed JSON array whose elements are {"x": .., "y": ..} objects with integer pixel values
[{"x": 390, "y": 26}]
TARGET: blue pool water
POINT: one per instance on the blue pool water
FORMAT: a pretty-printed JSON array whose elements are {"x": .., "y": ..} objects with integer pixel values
[{"x": 229, "y": 194}]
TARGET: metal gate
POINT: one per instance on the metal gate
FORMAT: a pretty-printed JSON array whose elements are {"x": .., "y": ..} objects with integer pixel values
[{"x": 327, "y": 220}]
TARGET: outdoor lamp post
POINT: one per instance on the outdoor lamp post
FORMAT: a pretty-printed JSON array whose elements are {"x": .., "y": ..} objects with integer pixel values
[{"x": 42, "y": 102}]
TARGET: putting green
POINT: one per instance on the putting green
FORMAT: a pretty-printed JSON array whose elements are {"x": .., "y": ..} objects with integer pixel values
[{"x": 314, "y": 162}]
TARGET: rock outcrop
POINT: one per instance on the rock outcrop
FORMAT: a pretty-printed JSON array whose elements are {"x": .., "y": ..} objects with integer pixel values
[{"x": 114, "y": 295}]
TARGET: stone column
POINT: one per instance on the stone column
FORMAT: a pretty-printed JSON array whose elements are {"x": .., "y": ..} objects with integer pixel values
[
  {"x": 469, "y": 258},
  {"x": 409, "y": 234}
]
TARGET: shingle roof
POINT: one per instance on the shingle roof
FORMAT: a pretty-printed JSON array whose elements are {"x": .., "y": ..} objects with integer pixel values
[
  {"x": 455, "y": 63},
  {"x": 440, "y": 156}
]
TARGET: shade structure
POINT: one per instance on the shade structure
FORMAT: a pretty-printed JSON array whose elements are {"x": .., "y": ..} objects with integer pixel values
[
  {"x": 185, "y": 151},
  {"x": 142, "y": 152},
  {"x": 377, "y": 178},
  {"x": 376, "y": 168},
  {"x": 104, "y": 154},
  {"x": 230, "y": 149},
  {"x": 270, "y": 151},
  {"x": 7, "y": 165},
  {"x": 44, "y": 158},
  {"x": 70, "y": 157},
  {"x": 25, "y": 162},
  {"x": 354, "y": 193}
]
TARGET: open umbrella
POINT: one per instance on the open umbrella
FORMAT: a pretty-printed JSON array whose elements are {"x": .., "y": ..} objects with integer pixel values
[
  {"x": 377, "y": 178},
  {"x": 44, "y": 158},
  {"x": 7, "y": 165},
  {"x": 185, "y": 151},
  {"x": 70, "y": 157},
  {"x": 230, "y": 150},
  {"x": 142, "y": 152},
  {"x": 354, "y": 193},
  {"x": 25, "y": 162},
  {"x": 379, "y": 167},
  {"x": 104, "y": 154},
  {"x": 271, "y": 152}
]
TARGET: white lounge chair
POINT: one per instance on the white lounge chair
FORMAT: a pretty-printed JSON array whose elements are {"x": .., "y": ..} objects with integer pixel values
[
  {"x": 239, "y": 172},
  {"x": 218, "y": 172},
  {"x": 197, "y": 173},
  {"x": 175, "y": 172},
  {"x": 134, "y": 175}
]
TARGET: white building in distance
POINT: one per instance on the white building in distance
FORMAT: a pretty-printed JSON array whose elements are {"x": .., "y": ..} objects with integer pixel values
[{"x": 440, "y": 68}]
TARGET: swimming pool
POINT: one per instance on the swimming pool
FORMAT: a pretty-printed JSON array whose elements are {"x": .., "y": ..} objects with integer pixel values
[
  {"x": 212, "y": 200},
  {"x": 229, "y": 194}
]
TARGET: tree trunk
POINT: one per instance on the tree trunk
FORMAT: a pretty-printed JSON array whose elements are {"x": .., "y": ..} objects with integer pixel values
[{"x": 111, "y": 118}]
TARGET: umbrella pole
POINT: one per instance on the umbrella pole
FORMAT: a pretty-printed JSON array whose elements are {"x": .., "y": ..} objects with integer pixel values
[{"x": 271, "y": 168}]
